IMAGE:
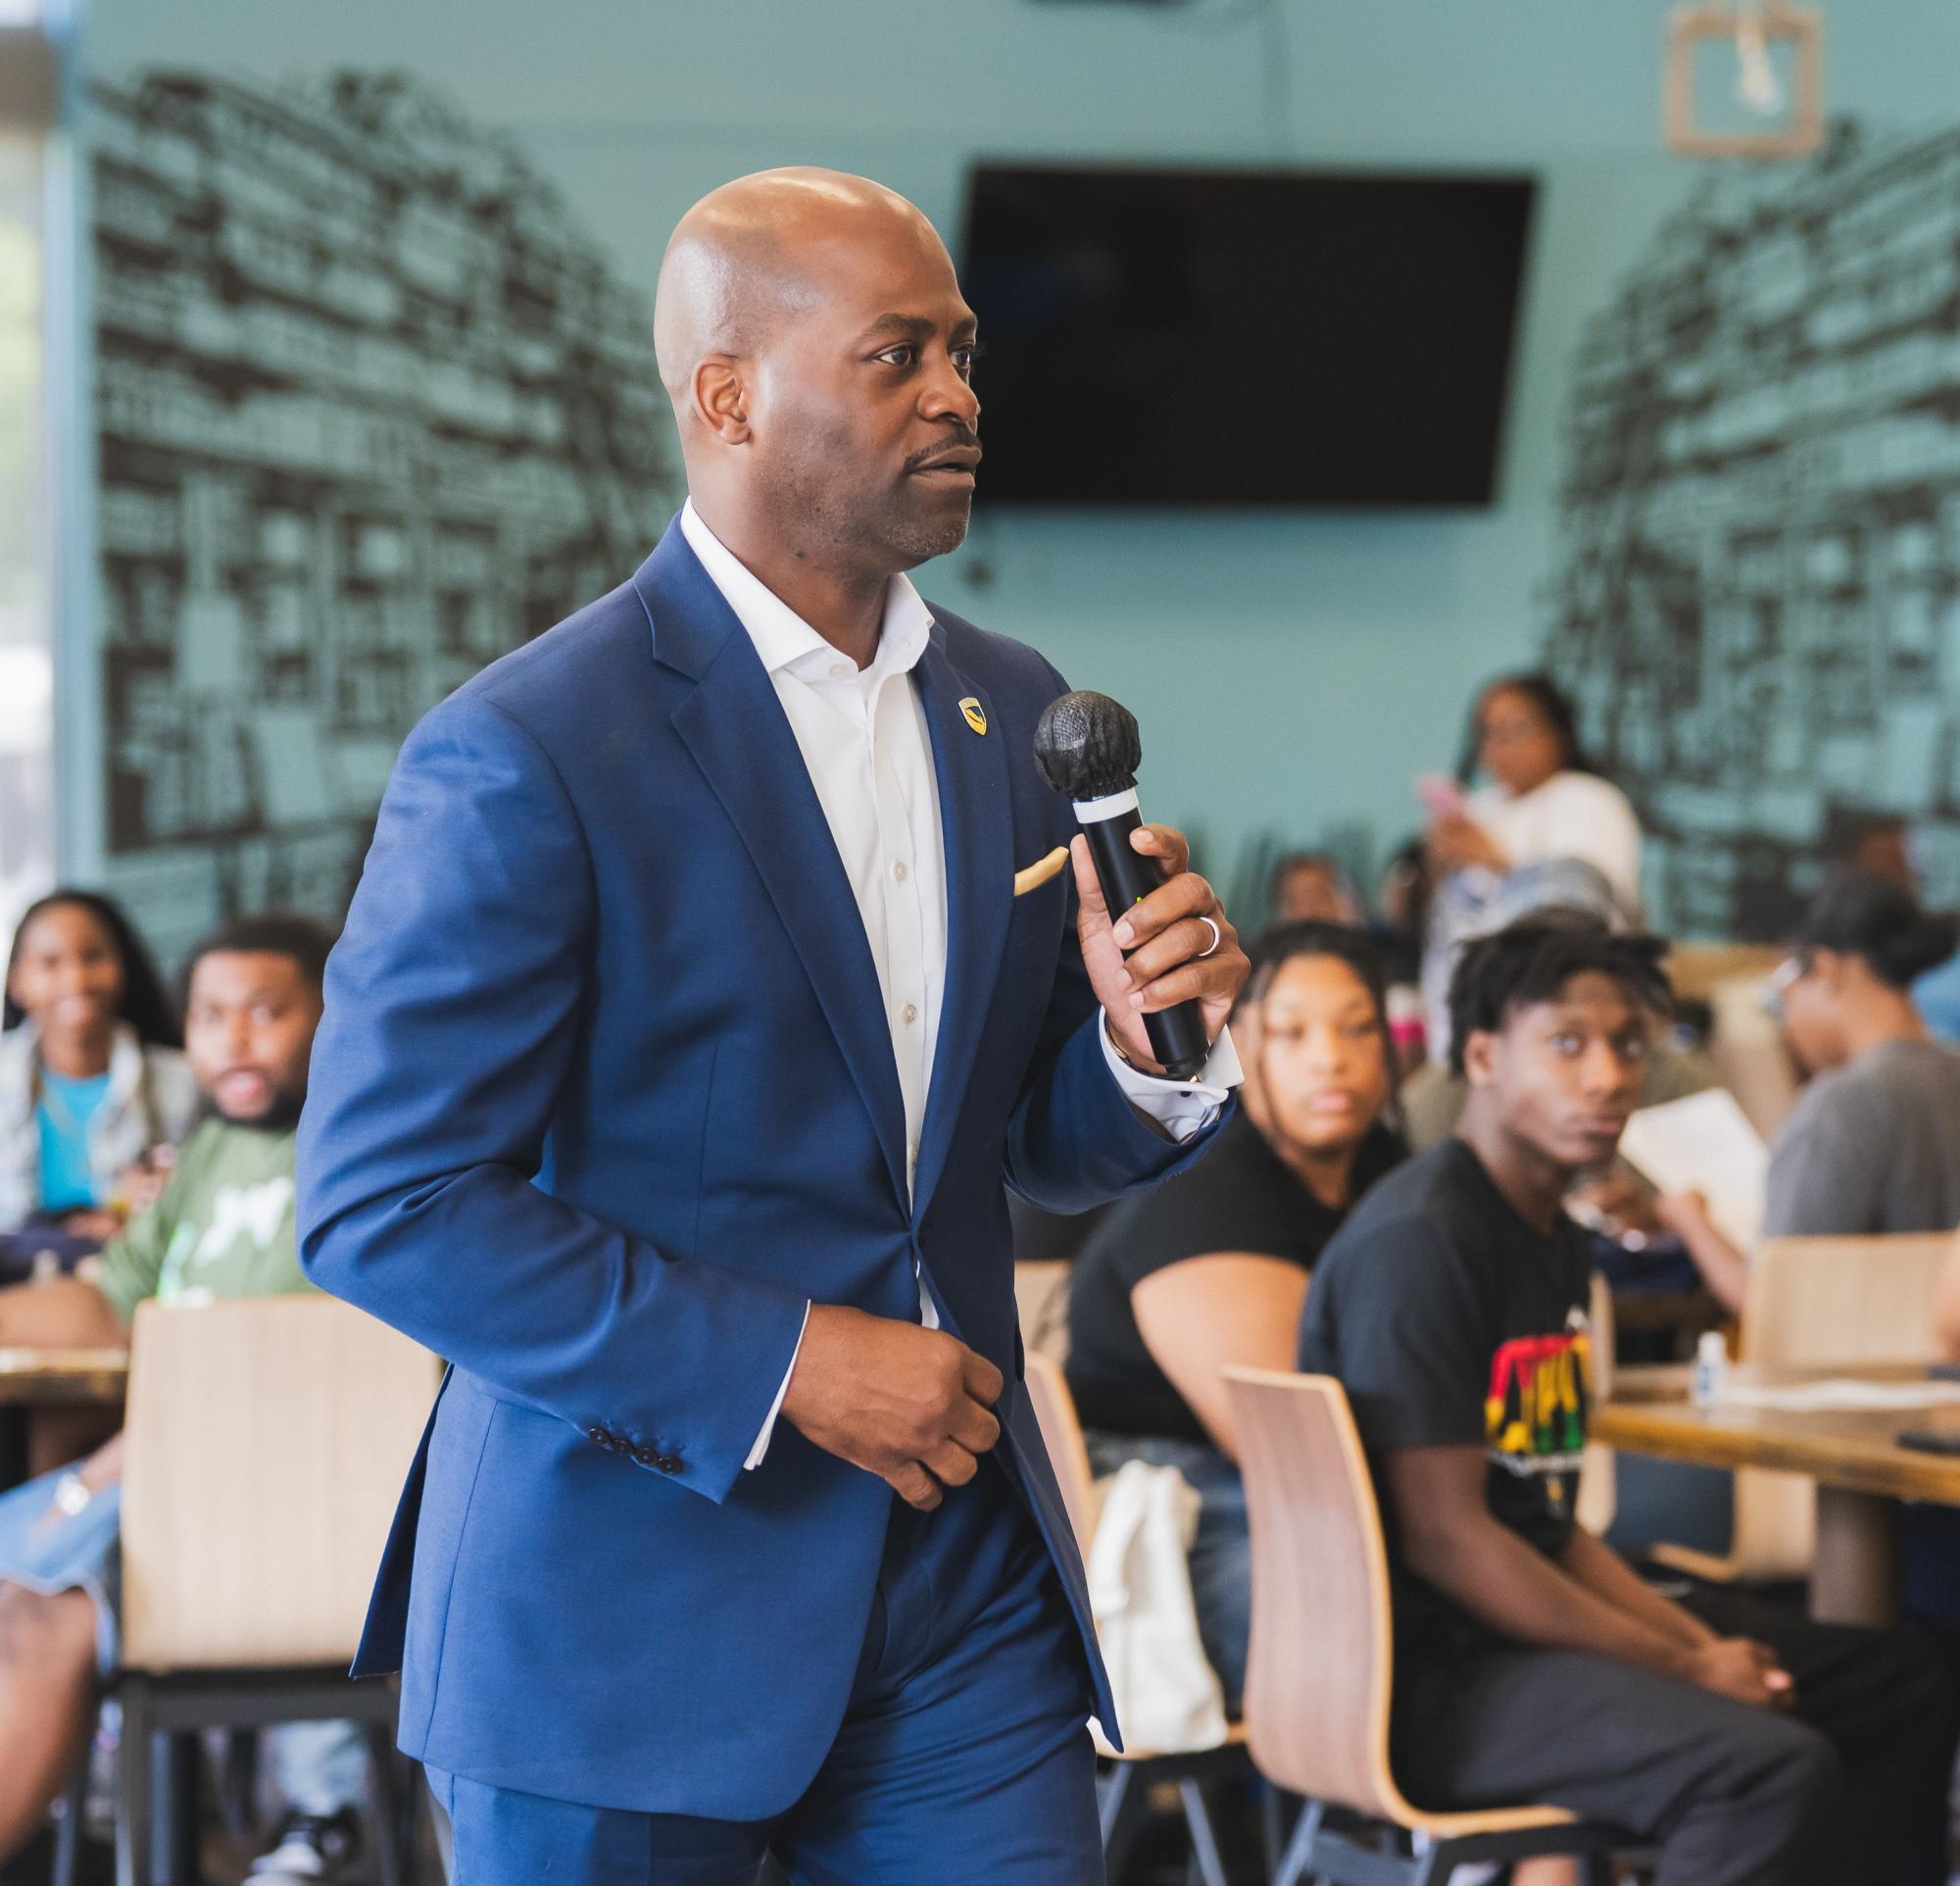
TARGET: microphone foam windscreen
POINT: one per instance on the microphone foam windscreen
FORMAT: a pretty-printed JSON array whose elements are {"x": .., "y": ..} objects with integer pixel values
[{"x": 1087, "y": 745}]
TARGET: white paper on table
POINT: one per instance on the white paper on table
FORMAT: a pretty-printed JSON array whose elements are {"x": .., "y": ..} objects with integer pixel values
[
  {"x": 1839, "y": 1393},
  {"x": 1704, "y": 1144}
]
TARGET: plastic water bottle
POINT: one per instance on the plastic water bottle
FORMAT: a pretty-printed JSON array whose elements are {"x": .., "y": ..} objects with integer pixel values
[{"x": 1711, "y": 1367}]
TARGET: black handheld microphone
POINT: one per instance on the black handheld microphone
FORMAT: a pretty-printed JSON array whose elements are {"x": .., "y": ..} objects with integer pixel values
[{"x": 1087, "y": 749}]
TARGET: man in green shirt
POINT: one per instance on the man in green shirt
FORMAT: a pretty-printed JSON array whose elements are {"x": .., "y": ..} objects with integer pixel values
[{"x": 221, "y": 1226}]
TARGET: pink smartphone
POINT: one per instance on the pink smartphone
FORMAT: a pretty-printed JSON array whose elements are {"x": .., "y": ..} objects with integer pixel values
[{"x": 1441, "y": 796}]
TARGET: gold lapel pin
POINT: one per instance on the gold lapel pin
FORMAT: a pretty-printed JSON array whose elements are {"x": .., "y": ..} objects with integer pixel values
[
  {"x": 977, "y": 715},
  {"x": 1038, "y": 873}
]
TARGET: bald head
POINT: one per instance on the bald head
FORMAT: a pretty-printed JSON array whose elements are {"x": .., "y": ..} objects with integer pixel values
[
  {"x": 819, "y": 355},
  {"x": 754, "y": 253}
]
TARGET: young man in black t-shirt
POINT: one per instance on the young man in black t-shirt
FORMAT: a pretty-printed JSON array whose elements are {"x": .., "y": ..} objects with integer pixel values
[{"x": 1532, "y": 1663}]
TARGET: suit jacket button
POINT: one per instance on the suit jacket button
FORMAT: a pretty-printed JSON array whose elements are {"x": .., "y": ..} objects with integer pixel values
[
  {"x": 669, "y": 1462},
  {"x": 647, "y": 1456}
]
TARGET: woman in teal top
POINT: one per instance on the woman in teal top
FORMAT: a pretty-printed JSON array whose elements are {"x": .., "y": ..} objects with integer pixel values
[{"x": 90, "y": 1077}]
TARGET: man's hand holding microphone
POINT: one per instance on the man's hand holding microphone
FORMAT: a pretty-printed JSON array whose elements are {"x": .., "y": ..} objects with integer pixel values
[{"x": 915, "y": 1405}]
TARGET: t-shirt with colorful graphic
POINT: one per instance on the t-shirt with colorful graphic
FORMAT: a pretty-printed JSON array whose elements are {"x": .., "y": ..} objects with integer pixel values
[
  {"x": 222, "y": 1226},
  {"x": 1452, "y": 1322}
]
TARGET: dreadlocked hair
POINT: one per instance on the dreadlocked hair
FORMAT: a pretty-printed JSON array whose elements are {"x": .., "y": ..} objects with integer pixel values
[{"x": 1532, "y": 959}]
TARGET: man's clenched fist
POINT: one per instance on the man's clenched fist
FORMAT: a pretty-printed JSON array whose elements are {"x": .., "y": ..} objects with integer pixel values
[{"x": 912, "y": 1405}]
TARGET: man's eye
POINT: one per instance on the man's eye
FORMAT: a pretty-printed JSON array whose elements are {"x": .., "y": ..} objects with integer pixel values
[
  {"x": 1566, "y": 1045},
  {"x": 901, "y": 356},
  {"x": 964, "y": 358}
]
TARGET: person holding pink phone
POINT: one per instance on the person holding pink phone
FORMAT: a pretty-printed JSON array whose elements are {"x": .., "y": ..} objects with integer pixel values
[{"x": 1541, "y": 800}]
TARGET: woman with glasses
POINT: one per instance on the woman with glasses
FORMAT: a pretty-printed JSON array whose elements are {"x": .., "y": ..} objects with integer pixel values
[{"x": 1873, "y": 1143}]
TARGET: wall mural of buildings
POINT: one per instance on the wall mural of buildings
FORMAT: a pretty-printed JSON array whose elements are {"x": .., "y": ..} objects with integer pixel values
[
  {"x": 372, "y": 411},
  {"x": 1759, "y": 598}
]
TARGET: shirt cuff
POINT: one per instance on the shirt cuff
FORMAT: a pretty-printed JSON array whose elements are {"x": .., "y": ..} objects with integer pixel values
[
  {"x": 763, "y": 1439},
  {"x": 1181, "y": 1107}
]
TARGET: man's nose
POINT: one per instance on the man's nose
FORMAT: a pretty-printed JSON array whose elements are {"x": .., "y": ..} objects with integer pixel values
[
  {"x": 1608, "y": 1072},
  {"x": 950, "y": 395}
]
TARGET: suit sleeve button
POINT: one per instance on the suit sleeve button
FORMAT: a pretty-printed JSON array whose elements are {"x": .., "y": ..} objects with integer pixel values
[
  {"x": 669, "y": 1462},
  {"x": 599, "y": 1437},
  {"x": 647, "y": 1456}
]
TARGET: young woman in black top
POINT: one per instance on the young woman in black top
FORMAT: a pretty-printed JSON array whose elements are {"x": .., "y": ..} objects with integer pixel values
[{"x": 1212, "y": 1268}]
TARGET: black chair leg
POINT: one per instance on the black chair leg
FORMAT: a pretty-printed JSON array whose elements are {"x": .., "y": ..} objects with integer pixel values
[
  {"x": 1206, "y": 1859},
  {"x": 134, "y": 1810},
  {"x": 74, "y": 1805},
  {"x": 383, "y": 1784},
  {"x": 1291, "y": 1869},
  {"x": 1123, "y": 1803}
]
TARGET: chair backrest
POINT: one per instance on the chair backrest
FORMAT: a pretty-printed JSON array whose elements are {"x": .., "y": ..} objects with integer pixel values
[
  {"x": 267, "y": 1441},
  {"x": 1054, "y": 1410},
  {"x": 1320, "y": 1665},
  {"x": 1599, "y": 1480},
  {"x": 1823, "y": 1303},
  {"x": 1748, "y": 1052},
  {"x": 1041, "y": 1302},
  {"x": 1829, "y": 1302}
]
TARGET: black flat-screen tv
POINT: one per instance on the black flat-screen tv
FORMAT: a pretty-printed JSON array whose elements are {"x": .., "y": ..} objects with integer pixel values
[{"x": 1229, "y": 337}]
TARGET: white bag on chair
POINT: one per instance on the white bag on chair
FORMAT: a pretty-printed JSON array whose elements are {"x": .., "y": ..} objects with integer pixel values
[{"x": 1168, "y": 1698}]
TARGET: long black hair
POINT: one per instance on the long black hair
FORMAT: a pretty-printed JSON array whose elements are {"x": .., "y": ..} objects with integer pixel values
[
  {"x": 145, "y": 1006},
  {"x": 1883, "y": 924},
  {"x": 1552, "y": 705},
  {"x": 1282, "y": 943}
]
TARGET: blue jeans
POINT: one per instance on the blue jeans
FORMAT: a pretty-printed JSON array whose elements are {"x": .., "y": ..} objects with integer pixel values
[{"x": 1221, "y": 1550}]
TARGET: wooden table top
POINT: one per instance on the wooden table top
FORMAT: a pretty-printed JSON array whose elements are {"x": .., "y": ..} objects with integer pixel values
[
  {"x": 63, "y": 1378},
  {"x": 1855, "y": 1448}
]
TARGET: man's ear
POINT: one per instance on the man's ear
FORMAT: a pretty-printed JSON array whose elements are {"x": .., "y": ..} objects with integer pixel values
[
  {"x": 1480, "y": 1057},
  {"x": 721, "y": 398}
]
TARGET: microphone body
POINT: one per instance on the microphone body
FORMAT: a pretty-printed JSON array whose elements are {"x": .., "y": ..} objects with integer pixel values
[
  {"x": 1088, "y": 748},
  {"x": 1177, "y": 1035}
]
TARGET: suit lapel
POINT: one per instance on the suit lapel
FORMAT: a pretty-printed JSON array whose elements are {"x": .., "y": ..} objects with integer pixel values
[
  {"x": 977, "y": 824},
  {"x": 735, "y": 727}
]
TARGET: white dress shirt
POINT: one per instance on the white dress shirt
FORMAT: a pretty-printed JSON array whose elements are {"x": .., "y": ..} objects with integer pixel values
[{"x": 863, "y": 734}]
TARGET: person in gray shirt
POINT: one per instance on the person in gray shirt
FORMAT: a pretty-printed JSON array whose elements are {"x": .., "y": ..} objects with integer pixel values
[{"x": 1873, "y": 1143}]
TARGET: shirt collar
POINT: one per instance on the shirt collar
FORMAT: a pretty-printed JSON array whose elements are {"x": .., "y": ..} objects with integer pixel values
[{"x": 782, "y": 638}]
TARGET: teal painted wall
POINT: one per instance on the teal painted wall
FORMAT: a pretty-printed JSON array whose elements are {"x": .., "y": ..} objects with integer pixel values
[{"x": 1292, "y": 672}]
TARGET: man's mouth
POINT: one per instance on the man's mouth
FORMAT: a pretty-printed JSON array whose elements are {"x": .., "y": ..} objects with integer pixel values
[
  {"x": 241, "y": 1088},
  {"x": 953, "y": 465}
]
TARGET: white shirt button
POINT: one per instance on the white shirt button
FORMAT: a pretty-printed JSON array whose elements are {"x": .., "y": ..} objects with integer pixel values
[
  {"x": 911, "y": 1012},
  {"x": 898, "y": 870},
  {"x": 839, "y": 670}
]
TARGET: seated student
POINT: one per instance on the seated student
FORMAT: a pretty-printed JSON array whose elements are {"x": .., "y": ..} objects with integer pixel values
[
  {"x": 1532, "y": 1663},
  {"x": 1873, "y": 1143},
  {"x": 92, "y": 1081},
  {"x": 222, "y": 1226},
  {"x": 1212, "y": 1267},
  {"x": 1310, "y": 887}
]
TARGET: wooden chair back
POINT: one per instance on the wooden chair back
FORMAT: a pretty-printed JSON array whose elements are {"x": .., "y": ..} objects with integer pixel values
[
  {"x": 1747, "y": 1052},
  {"x": 1599, "y": 1485},
  {"x": 1697, "y": 970},
  {"x": 1829, "y": 1303},
  {"x": 267, "y": 1441},
  {"x": 1062, "y": 1430},
  {"x": 1320, "y": 1666},
  {"x": 1041, "y": 1302},
  {"x": 1818, "y": 1303}
]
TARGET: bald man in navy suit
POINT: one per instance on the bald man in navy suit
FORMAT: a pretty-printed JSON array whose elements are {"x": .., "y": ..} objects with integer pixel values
[{"x": 685, "y": 1027}]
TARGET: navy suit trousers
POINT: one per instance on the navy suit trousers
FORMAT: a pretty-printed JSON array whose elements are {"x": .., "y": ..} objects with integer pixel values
[{"x": 963, "y": 1757}]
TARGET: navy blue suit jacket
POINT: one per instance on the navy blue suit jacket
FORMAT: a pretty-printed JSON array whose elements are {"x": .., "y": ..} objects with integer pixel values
[{"x": 604, "y": 1092}]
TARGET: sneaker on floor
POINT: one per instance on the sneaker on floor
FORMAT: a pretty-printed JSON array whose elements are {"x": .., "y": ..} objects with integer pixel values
[{"x": 319, "y": 1850}]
